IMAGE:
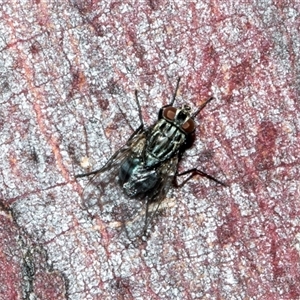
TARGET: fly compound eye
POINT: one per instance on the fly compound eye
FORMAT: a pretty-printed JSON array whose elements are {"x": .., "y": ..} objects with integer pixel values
[
  {"x": 169, "y": 113},
  {"x": 188, "y": 126}
]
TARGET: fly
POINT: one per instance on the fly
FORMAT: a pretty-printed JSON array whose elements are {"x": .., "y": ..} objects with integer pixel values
[{"x": 146, "y": 166}]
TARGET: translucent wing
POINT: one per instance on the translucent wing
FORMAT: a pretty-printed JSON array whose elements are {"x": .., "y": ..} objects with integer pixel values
[
  {"x": 151, "y": 203},
  {"x": 105, "y": 180}
]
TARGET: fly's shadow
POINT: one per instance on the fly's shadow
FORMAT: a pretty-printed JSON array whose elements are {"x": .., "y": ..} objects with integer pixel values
[{"x": 130, "y": 187}]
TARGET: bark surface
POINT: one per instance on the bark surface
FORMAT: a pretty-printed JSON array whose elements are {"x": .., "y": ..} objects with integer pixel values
[{"x": 68, "y": 72}]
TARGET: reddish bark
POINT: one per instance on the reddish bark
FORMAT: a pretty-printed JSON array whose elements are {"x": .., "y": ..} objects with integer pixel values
[{"x": 67, "y": 77}]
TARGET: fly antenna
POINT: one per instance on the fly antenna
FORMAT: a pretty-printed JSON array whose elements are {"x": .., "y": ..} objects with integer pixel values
[
  {"x": 201, "y": 107},
  {"x": 175, "y": 92}
]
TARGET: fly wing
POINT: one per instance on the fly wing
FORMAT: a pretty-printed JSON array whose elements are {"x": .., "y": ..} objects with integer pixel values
[
  {"x": 104, "y": 181},
  {"x": 167, "y": 172},
  {"x": 142, "y": 218}
]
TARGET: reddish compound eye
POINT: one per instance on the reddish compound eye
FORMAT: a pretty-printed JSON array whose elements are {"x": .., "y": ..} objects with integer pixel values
[
  {"x": 188, "y": 126},
  {"x": 169, "y": 113}
]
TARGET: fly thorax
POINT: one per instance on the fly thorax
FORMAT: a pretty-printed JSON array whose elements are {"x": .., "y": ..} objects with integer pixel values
[{"x": 163, "y": 142}]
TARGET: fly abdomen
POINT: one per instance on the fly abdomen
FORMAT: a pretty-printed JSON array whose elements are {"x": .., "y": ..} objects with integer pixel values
[
  {"x": 127, "y": 168},
  {"x": 135, "y": 178}
]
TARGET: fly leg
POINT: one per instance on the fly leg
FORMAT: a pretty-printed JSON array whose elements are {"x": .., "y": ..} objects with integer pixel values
[
  {"x": 152, "y": 207},
  {"x": 139, "y": 109},
  {"x": 104, "y": 168},
  {"x": 146, "y": 219},
  {"x": 117, "y": 154},
  {"x": 149, "y": 215},
  {"x": 174, "y": 94},
  {"x": 193, "y": 172}
]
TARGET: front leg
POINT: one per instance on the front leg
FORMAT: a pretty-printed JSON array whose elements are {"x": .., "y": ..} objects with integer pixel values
[{"x": 193, "y": 173}]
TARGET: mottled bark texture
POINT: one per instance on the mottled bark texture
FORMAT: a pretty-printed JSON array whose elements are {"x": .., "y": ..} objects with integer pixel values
[{"x": 68, "y": 72}]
